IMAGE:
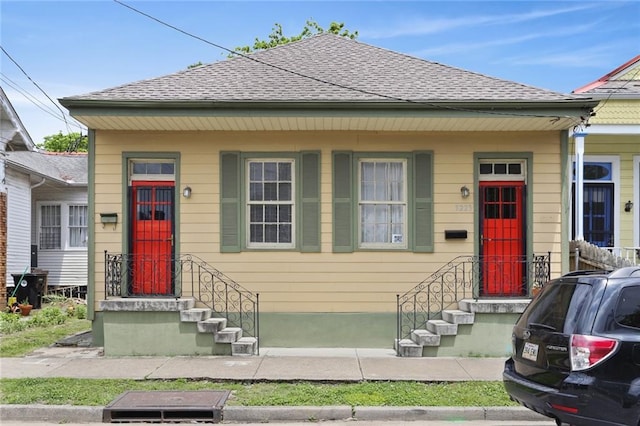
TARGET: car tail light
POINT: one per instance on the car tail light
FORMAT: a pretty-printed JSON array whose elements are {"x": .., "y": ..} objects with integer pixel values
[{"x": 587, "y": 351}]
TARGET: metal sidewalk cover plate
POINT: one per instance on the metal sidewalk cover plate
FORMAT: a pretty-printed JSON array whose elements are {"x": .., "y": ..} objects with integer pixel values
[{"x": 166, "y": 406}]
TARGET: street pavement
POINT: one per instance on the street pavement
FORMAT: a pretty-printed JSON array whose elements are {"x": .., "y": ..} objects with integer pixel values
[{"x": 281, "y": 364}]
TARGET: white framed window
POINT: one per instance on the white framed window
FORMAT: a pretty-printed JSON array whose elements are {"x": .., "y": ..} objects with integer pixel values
[
  {"x": 270, "y": 203},
  {"x": 78, "y": 219},
  {"x": 62, "y": 226},
  {"x": 502, "y": 170},
  {"x": 50, "y": 227},
  {"x": 382, "y": 203}
]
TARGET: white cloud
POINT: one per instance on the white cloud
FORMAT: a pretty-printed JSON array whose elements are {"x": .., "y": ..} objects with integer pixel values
[{"x": 412, "y": 27}]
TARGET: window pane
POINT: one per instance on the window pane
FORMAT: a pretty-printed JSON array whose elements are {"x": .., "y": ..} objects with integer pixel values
[
  {"x": 271, "y": 213},
  {"x": 284, "y": 191},
  {"x": 255, "y": 233},
  {"x": 285, "y": 234},
  {"x": 167, "y": 168},
  {"x": 271, "y": 233},
  {"x": 284, "y": 171},
  {"x": 515, "y": 169},
  {"x": 285, "y": 214},
  {"x": 500, "y": 168},
  {"x": 255, "y": 171},
  {"x": 255, "y": 192},
  {"x": 486, "y": 169},
  {"x": 78, "y": 226},
  {"x": 271, "y": 171},
  {"x": 50, "y": 228},
  {"x": 270, "y": 191},
  {"x": 153, "y": 168},
  {"x": 256, "y": 213}
]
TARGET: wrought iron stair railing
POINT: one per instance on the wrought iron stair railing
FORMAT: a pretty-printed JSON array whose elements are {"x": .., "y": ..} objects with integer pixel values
[
  {"x": 189, "y": 275},
  {"x": 462, "y": 278}
]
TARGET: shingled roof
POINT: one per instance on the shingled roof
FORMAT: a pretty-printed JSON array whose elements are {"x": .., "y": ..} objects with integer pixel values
[
  {"x": 324, "y": 68},
  {"x": 64, "y": 168}
]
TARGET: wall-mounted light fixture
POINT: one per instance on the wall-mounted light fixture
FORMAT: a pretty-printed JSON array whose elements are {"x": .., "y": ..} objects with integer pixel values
[
  {"x": 186, "y": 192},
  {"x": 628, "y": 206},
  {"x": 464, "y": 192}
]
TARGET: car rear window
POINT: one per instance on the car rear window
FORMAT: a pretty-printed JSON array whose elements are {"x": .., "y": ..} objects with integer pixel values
[
  {"x": 627, "y": 311},
  {"x": 559, "y": 307}
]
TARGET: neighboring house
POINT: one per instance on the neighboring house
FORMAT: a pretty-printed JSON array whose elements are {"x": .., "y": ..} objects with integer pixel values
[
  {"x": 611, "y": 197},
  {"x": 46, "y": 208},
  {"x": 322, "y": 193},
  {"x": 15, "y": 244}
]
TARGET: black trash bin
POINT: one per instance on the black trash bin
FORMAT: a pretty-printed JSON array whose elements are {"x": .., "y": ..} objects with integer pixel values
[{"x": 30, "y": 287}]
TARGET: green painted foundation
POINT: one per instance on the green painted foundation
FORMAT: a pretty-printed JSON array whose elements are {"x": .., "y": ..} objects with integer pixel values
[
  {"x": 488, "y": 336},
  {"x": 155, "y": 334},
  {"x": 327, "y": 330},
  {"x": 124, "y": 333}
]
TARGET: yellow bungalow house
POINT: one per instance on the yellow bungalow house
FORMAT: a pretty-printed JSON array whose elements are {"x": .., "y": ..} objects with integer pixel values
[
  {"x": 323, "y": 193},
  {"x": 611, "y": 197}
]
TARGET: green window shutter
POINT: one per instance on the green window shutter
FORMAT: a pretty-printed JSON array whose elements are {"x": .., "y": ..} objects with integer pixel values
[
  {"x": 230, "y": 182},
  {"x": 310, "y": 197},
  {"x": 423, "y": 201},
  {"x": 343, "y": 202}
]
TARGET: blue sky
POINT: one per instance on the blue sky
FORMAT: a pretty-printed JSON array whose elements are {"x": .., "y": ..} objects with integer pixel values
[{"x": 74, "y": 47}]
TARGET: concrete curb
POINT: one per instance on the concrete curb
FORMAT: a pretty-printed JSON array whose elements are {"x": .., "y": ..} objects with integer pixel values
[{"x": 242, "y": 414}]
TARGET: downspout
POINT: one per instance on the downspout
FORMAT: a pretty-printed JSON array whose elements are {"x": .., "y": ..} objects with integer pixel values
[
  {"x": 579, "y": 171},
  {"x": 35, "y": 185}
]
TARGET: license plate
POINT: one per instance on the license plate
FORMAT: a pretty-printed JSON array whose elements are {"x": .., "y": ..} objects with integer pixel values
[{"x": 530, "y": 351}]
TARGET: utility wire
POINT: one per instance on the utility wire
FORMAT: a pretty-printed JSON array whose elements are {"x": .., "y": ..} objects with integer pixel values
[
  {"x": 554, "y": 117},
  {"x": 615, "y": 91},
  {"x": 40, "y": 88}
]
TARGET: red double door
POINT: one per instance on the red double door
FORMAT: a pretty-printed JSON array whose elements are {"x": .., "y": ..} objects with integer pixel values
[
  {"x": 502, "y": 239},
  {"x": 152, "y": 228}
]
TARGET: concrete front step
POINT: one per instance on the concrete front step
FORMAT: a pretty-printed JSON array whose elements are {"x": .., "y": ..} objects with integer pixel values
[
  {"x": 442, "y": 327},
  {"x": 245, "y": 346},
  {"x": 457, "y": 316},
  {"x": 451, "y": 318},
  {"x": 425, "y": 338},
  {"x": 212, "y": 325},
  {"x": 228, "y": 335},
  {"x": 408, "y": 348},
  {"x": 195, "y": 314}
]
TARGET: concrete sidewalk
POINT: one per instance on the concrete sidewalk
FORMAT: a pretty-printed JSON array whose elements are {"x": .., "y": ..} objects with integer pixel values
[{"x": 309, "y": 364}]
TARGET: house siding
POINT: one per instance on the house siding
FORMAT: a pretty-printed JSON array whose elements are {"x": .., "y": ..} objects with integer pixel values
[
  {"x": 624, "y": 147},
  {"x": 325, "y": 282},
  {"x": 67, "y": 267},
  {"x": 18, "y": 224},
  {"x": 617, "y": 111}
]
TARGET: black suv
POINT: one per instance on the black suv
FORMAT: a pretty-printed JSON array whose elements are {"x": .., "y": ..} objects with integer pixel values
[{"x": 576, "y": 350}]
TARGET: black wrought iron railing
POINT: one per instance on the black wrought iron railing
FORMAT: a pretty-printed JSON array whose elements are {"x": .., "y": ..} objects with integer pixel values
[
  {"x": 128, "y": 275},
  {"x": 469, "y": 277}
]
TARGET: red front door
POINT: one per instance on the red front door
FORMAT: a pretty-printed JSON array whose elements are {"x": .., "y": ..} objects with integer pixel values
[
  {"x": 152, "y": 228},
  {"x": 502, "y": 238}
]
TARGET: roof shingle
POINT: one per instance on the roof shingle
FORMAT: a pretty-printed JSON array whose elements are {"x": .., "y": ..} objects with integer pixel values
[{"x": 325, "y": 68}]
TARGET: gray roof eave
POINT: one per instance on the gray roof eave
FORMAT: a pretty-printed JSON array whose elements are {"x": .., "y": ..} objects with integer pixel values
[{"x": 117, "y": 107}]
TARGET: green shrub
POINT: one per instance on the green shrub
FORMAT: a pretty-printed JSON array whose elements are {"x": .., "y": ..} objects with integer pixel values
[
  {"x": 50, "y": 315},
  {"x": 81, "y": 311},
  {"x": 11, "y": 323}
]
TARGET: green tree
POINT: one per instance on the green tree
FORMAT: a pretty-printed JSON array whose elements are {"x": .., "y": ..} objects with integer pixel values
[
  {"x": 71, "y": 142},
  {"x": 310, "y": 29}
]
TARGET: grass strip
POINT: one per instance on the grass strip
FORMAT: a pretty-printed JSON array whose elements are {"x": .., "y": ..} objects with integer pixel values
[
  {"x": 100, "y": 392},
  {"x": 25, "y": 341}
]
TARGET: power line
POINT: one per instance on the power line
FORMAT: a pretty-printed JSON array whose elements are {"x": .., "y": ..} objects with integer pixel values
[
  {"x": 40, "y": 88},
  {"x": 554, "y": 117}
]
